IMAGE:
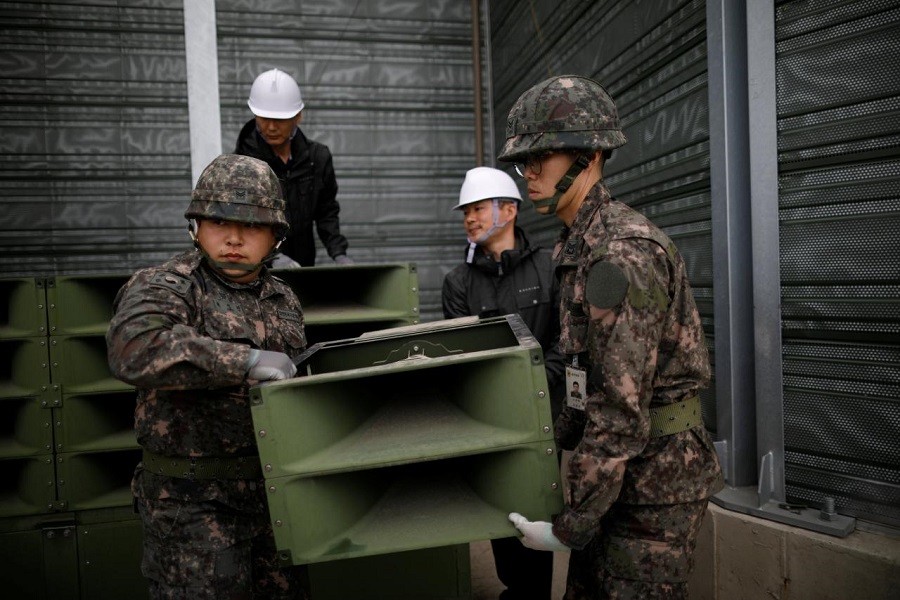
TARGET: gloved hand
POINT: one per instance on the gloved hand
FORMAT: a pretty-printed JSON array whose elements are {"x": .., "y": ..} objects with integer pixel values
[
  {"x": 537, "y": 535},
  {"x": 265, "y": 365},
  {"x": 343, "y": 259}
]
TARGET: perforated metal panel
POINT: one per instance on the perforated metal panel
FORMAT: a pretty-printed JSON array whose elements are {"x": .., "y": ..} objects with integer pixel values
[{"x": 839, "y": 175}]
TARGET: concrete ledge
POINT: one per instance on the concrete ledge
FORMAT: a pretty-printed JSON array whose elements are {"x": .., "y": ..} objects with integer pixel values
[{"x": 743, "y": 557}]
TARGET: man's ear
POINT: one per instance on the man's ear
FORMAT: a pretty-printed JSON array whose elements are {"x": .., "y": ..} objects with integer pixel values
[{"x": 299, "y": 118}]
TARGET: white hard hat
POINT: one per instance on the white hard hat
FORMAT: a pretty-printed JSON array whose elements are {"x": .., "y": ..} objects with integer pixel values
[
  {"x": 275, "y": 95},
  {"x": 487, "y": 183}
]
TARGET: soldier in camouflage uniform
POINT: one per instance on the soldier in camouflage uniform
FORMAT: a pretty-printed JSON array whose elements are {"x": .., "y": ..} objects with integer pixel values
[
  {"x": 192, "y": 335},
  {"x": 642, "y": 466}
]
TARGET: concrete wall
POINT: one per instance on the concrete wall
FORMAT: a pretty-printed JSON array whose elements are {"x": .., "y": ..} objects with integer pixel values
[{"x": 740, "y": 557}]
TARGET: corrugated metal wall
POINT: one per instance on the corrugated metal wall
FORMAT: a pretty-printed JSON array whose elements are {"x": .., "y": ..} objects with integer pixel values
[
  {"x": 95, "y": 153},
  {"x": 388, "y": 87},
  {"x": 839, "y": 198},
  {"x": 94, "y": 156},
  {"x": 651, "y": 57}
]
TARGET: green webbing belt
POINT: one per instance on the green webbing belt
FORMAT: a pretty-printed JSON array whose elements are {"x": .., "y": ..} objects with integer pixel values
[
  {"x": 205, "y": 467},
  {"x": 676, "y": 417}
]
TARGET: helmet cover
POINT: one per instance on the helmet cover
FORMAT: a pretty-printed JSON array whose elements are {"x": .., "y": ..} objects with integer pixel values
[
  {"x": 241, "y": 189},
  {"x": 567, "y": 112}
]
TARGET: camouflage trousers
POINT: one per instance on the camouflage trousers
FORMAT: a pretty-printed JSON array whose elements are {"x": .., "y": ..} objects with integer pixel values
[
  {"x": 641, "y": 552},
  {"x": 206, "y": 550}
]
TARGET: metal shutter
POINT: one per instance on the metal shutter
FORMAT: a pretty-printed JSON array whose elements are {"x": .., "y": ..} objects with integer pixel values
[{"x": 838, "y": 102}]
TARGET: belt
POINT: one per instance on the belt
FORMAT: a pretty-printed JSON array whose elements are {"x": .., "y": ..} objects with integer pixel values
[
  {"x": 203, "y": 467},
  {"x": 676, "y": 417}
]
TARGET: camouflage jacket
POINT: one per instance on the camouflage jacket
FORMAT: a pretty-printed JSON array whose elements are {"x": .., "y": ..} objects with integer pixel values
[
  {"x": 644, "y": 347},
  {"x": 182, "y": 335}
]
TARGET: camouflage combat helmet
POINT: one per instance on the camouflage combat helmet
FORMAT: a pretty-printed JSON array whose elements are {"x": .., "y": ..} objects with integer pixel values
[
  {"x": 242, "y": 189},
  {"x": 566, "y": 112}
]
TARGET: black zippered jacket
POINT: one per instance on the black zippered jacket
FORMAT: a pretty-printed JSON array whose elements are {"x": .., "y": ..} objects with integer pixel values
[
  {"x": 310, "y": 190},
  {"x": 523, "y": 283}
]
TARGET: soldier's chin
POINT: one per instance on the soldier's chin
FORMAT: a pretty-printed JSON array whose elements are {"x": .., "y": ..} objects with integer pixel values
[{"x": 240, "y": 274}]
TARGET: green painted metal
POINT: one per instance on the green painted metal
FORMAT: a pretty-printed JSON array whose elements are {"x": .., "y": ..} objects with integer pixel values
[
  {"x": 419, "y": 505},
  {"x": 345, "y": 301},
  {"x": 25, "y": 428},
  {"x": 24, "y": 370},
  {"x": 92, "y": 422},
  {"x": 88, "y": 555},
  {"x": 80, "y": 366},
  {"x": 82, "y": 305},
  {"x": 109, "y": 554},
  {"x": 428, "y": 436},
  {"x": 40, "y": 564},
  {"x": 27, "y": 486},
  {"x": 23, "y": 310},
  {"x": 91, "y": 480}
]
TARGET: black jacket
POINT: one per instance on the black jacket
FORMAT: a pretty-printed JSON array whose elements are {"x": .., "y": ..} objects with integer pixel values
[
  {"x": 523, "y": 282},
  {"x": 310, "y": 190}
]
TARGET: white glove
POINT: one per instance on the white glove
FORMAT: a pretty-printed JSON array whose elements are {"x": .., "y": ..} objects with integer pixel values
[
  {"x": 265, "y": 365},
  {"x": 537, "y": 535}
]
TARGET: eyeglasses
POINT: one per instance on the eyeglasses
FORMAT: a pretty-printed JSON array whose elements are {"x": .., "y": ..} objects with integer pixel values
[{"x": 534, "y": 162}]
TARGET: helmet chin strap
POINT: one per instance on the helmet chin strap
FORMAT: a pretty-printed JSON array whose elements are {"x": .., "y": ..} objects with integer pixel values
[
  {"x": 221, "y": 266},
  {"x": 564, "y": 183},
  {"x": 496, "y": 225}
]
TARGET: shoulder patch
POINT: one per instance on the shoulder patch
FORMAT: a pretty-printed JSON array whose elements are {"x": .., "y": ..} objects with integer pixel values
[
  {"x": 173, "y": 281},
  {"x": 606, "y": 285},
  {"x": 289, "y": 315}
]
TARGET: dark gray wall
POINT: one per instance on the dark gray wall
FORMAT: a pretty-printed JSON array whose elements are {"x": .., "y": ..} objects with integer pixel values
[
  {"x": 94, "y": 156},
  {"x": 96, "y": 153}
]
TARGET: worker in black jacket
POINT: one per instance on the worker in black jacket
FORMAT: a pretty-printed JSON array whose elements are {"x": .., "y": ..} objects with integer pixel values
[
  {"x": 303, "y": 167},
  {"x": 503, "y": 274}
]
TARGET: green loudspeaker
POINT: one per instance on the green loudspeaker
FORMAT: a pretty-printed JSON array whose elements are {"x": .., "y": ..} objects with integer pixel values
[
  {"x": 23, "y": 310},
  {"x": 91, "y": 422},
  {"x": 92, "y": 480},
  {"x": 409, "y": 438},
  {"x": 25, "y": 428},
  {"x": 27, "y": 486},
  {"x": 82, "y": 304},
  {"x": 80, "y": 366},
  {"x": 24, "y": 369},
  {"x": 345, "y": 301}
]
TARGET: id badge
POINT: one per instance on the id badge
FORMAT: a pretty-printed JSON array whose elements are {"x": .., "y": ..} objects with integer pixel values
[{"x": 576, "y": 387}]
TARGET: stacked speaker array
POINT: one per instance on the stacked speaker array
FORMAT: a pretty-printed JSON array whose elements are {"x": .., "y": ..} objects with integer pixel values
[
  {"x": 67, "y": 446},
  {"x": 408, "y": 438}
]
